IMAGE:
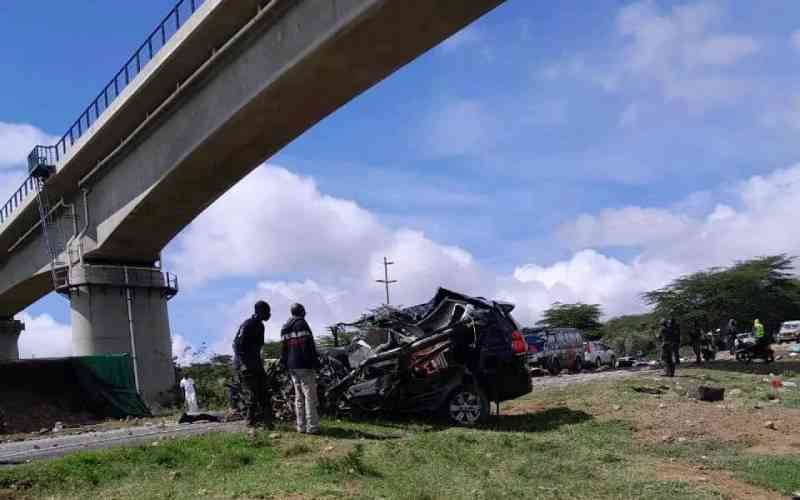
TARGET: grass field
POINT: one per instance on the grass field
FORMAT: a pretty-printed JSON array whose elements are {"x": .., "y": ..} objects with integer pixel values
[{"x": 594, "y": 441}]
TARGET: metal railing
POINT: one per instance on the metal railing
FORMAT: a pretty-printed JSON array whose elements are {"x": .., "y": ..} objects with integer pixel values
[
  {"x": 146, "y": 52},
  {"x": 28, "y": 187}
]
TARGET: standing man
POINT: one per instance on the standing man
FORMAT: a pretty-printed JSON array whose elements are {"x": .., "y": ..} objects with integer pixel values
[
  {"x": 189, "y": 394},
  {"x": 250, "y": 367},
  {"x": 666, "y": 348},
  {"x": 675, "y": 336},
  {"x": 696, "y": 335},
  {"x": 730, "y": 330},
  {"x": 299, "y": 356},
  {"x": 758, "y": 331}
]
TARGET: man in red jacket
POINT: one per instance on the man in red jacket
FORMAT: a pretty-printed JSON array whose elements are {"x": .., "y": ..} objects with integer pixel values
[{"x": 299, "y": 356}]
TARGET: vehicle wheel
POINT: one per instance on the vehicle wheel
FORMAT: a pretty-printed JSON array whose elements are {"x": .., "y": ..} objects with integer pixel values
[
  {"x": 578, "y": 365},
  {"x": 467, "y": 406},
  {"x": 598, "y": 364},
  {"x": 554, "y": 367},
  {"x": 613, "y": 363}
]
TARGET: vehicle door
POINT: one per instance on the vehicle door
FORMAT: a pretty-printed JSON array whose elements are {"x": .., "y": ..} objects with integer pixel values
[{"x": 502, "y": 374}]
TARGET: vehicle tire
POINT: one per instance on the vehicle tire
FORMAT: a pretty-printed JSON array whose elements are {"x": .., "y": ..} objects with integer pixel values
[
  {"x": 613, "y": 363},
  {"x": 554, "y": 366},
  {"x": 578, "y": 365},
  {"x": 466, "y": 406}
]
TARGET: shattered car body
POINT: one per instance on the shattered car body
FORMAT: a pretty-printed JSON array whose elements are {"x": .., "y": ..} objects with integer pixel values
[{"x": 451, "y": 356}]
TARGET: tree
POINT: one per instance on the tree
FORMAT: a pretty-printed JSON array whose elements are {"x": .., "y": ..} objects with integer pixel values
[
  {"x": 764, "y": 288},
  {"x": 632, "y": 333},
  {"x": 584, "y": 317}
]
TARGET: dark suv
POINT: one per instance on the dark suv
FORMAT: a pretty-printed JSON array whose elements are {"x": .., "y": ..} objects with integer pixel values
[
  {"x": 563, "y": 348},
  {"x": 453, "y": 356}
]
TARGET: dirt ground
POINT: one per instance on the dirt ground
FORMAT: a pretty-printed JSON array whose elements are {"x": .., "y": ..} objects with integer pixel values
[
  {"x": 663, "y": 413},
  {"x": 723, "y": 481},
  {"x": 667, "y": 419}
]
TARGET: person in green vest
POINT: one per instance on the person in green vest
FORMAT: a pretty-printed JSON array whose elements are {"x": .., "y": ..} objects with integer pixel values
[{"x": 758, "y": 331}]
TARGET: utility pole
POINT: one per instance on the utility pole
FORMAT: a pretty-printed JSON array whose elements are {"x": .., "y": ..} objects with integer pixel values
[{"x": 386, "y": 281}]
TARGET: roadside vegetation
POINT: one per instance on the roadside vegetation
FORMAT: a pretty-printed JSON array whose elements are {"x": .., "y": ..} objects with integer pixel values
[{"x": 635, "y": 438}]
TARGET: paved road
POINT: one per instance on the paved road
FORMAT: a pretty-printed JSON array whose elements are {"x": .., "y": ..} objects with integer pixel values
[
  {"x": 24, "y": 451},
  {"x": 588, "y": 376},
  {"x": 55, "y": 446}
]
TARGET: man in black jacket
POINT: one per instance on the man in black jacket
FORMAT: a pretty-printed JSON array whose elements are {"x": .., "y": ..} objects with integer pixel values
[
  {"x": 299, "y": 356},
  {"x": 248, "y": 364},
  {"x": 669, "y": 334}
]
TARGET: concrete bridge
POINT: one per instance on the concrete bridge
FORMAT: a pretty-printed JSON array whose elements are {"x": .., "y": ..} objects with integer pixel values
[{"x": 217, "y": 88}]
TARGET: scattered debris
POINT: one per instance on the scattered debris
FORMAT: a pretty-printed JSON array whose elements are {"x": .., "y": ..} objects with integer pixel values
[
  {"x": 734, "y": 392},
  {"x": 58, "y": 427},
  {"x": 617, "y": 407},
  {"x": 648, "y": 390},
  {"x": 707, "y": 393},
  {"x": 770, "y": 425},
  {"x": 187, "y": 418},
  {"x": 790, "y": 384}
]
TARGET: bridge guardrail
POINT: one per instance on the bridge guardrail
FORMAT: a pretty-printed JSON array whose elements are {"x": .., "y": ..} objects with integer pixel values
[
  {"x": 29, "y": 186},
  {"x": 157, "y": 39}
]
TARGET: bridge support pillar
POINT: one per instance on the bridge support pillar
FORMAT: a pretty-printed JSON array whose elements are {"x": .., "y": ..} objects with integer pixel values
[
  {"x": 10, "y": 329},
  {"x": 121, "y": 309}
]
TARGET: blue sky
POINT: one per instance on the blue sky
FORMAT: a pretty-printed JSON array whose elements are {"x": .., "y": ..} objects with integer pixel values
[{"x": 550, "y": 151}]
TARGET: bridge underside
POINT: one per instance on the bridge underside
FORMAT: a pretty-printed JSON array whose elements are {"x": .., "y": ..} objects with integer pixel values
[{"x": 290, "y": 66}]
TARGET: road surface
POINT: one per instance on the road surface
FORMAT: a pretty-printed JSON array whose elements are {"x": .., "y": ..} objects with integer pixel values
[{"x": 55, "y": 446}]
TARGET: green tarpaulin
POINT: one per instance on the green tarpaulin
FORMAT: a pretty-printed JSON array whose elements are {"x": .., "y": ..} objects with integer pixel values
[
  {"x": 101, "y": 385},
  {"x": 108, "y": 381}
]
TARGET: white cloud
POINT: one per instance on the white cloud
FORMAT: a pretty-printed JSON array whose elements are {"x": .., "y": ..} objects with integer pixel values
[
  {"x": 629, "y": 226},
  {"x": 681, "y": 53},
  {"x": 17, "y": 141},
  {"x": 335, "y": 277},
  {"x": 44, "y": 337},
  {"x": 276, "y": 222},
  {"x": 759, "y": 222},
  {"x": 10, "y": 181},
  {"x": 590, "y": 277}
]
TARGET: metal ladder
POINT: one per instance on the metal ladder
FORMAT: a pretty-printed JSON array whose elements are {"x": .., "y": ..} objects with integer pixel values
[{"x": 53, "y": 234}]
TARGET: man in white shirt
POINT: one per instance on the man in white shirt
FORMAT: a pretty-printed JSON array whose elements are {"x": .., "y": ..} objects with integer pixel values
[{"x": 189, "y": 394}]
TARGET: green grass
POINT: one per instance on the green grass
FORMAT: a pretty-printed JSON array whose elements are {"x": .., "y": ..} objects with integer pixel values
[{"x": 559, "y": 451}]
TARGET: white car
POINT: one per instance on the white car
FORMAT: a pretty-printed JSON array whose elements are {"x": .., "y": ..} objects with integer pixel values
[
  {"x": 790, "y": 330},
  {"x": 597, "y": 354}
]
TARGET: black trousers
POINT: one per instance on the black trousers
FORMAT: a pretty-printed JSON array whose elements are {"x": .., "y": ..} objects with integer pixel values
[
  {"x": 668, "y": 358},
  {"x": 258, "y": 400}
]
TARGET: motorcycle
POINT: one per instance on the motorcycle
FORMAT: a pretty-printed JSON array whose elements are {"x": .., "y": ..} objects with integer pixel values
[
  {"x": 748, "y": 349},
  {"x": 709, "y": 347}
]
